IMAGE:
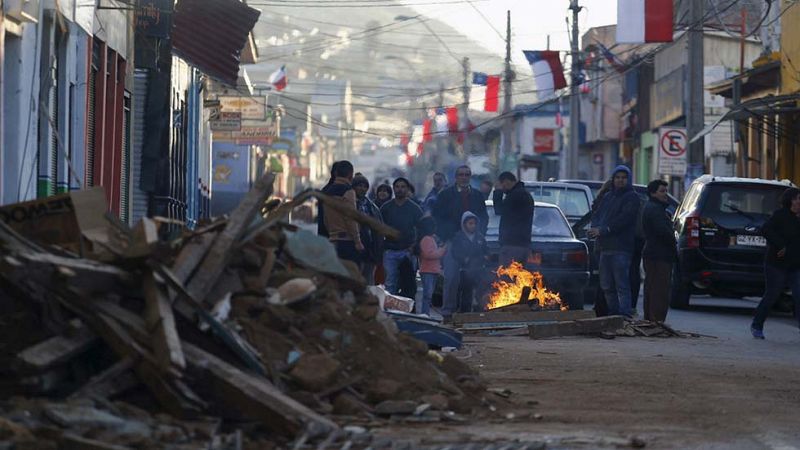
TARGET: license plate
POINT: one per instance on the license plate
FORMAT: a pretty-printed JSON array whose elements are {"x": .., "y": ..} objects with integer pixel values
[{"x": 753, "y": 241}]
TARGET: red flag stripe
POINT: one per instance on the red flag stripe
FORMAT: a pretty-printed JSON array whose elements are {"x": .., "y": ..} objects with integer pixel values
[
  {"x": 658, "y": 21},
  {"x": 492, "y": 93}
]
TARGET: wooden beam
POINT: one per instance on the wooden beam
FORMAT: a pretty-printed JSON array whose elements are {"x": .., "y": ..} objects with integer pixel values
[
  {"x": 161, "y": 324},
  {"x": 57, "y": 350},
  {"x": 576, "y": 327},
  {"x": 225, "y": 243},
  {"x": 113, "y": 381},
  {"x": 520, "y": 316},
  {"x": 236, "y": 392}
]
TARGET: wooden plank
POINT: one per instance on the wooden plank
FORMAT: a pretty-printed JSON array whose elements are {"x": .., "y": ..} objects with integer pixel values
[
  {"x": 231, "y": 339},
  {"x": 191, "y": 255},
  {"x": 237, "y": 393},
  {"x": 69, "y": 441},
  {"x": 113, "y": 381},
  {"x": 577, "y": 327},
  {"x": 521, "y": 316},
  {"x": 161, "y": 324},
  {"x": 57, "y": 350},
  {"x": 328, "y": 202},
  {"x": 226, "y": 242}
]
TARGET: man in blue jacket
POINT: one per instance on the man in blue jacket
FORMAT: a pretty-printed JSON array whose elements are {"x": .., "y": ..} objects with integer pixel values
[{"x": 614, "y": 226}]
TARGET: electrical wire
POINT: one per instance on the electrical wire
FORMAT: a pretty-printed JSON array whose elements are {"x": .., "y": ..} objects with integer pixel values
[{"x": 277, "y": 3}]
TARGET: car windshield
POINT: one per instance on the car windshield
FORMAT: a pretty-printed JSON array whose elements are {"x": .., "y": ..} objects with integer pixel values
[
  {"x": 573, "y": 202},
  {"x": 547, "y": 221},
  {"x": 736, "y": 206}
]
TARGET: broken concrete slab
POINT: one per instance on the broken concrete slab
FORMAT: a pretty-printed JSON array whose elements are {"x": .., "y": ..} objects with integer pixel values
[{"x": 393, "y": 407}]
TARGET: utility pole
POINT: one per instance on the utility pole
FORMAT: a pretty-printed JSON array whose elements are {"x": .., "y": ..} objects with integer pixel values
[
  {"x": 507, "y": 79},
  {"x": 696, "y": 116},
  {"x": 465, "y": 110},
  {"x": 571, "y": 168}
]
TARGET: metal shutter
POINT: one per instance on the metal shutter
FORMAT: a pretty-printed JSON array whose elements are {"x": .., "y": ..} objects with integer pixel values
[{"x": 138, "y": 196}]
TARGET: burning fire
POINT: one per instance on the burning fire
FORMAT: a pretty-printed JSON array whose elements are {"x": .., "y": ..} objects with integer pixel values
[{"x": 510, "y": 293}]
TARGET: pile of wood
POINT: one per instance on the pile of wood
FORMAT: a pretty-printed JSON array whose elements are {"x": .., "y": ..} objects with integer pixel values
[{"x": 245, "y": 323}]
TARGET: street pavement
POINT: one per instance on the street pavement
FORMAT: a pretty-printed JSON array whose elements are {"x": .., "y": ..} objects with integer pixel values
[{"x": 722, "y": 391}]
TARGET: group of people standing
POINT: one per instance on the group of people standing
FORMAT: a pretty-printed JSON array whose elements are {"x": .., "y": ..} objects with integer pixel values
[
  {"x": 619, "y": 223},
  {"x": 442, "y": 236}
]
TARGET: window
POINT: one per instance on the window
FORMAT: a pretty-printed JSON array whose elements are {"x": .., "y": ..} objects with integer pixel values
[
  {"x": 573, "y": 202},
  {"x": 547, "y": 221},
  {"x": 735, "y": 206}
]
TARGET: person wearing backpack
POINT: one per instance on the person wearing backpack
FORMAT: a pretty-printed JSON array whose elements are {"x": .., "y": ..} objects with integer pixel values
[
  {"x": 431, "y": 251},
  {"x": 343, "y": 232}
]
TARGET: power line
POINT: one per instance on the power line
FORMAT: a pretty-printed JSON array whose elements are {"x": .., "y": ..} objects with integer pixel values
[{"x": 353, "y": 5}]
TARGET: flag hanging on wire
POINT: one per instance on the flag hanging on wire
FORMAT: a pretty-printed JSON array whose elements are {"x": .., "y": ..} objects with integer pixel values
[
  {"x": 612, "y": 59},
  {"x": 485, "y": 92},
  {"x": 441, "y": 120},
  {"x": 548, "y": 73},
  {"x": 426, "y": 130},
  {"x": 641, "y": 21},
  {"x": 452, "y": 119},
  {"x": 278, "y": 79}
]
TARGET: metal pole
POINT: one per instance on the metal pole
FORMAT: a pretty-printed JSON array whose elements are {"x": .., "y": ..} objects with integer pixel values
[
  {"x": 509, "y": 76},
  {"x": 465, "y": 109},
  {"x": 574, "y": 99},
  {"x": 696, "y": 116}
]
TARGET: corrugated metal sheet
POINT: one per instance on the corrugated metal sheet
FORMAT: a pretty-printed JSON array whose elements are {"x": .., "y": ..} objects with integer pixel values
[
  {"x": 138, "y": 196},
  {"x": 210, "y": 34}
]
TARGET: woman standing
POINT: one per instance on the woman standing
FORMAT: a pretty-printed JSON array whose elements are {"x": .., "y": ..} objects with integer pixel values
[{"x": 782, "y": 262}]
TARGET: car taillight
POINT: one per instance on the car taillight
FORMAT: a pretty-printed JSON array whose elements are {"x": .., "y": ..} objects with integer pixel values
[
  {"x": 577, "y": 258},
  {"x": 692, "y": 231}
]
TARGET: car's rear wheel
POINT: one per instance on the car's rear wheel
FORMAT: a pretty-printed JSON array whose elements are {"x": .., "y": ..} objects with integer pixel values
[{"x": 681, "y": 290}]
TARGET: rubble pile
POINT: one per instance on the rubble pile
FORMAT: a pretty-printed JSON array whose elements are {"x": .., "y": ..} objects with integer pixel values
[{"x": 243, "y": 333}]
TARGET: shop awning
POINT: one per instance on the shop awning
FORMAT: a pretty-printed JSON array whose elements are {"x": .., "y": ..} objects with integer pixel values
[
  {"x": 758, "y": 107},
  {"x": 210, "y": 35}
]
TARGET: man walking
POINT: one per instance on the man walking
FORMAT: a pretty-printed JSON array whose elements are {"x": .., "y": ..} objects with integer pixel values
[
  {"x": 614, "y": 226},
  {"x": 343, "y": 232},
  {"x": 448, "y": 211},
  {"x": 439, "y": 183},
  {"x": 515, "y": 206},
  {"x": 402, "y": 215},
  {"x": 660, "y": 251}
]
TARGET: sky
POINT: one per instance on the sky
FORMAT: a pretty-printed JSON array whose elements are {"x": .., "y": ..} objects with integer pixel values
[{"x": 531, "y": 22}]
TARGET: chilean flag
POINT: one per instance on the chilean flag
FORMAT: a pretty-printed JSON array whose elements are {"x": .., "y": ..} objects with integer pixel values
[
  {"x": 485, "y": 91},
  {"x": 640, "y": 21},
  {"x": 278, "y": 79},
  {"x": 547, "y": 70}
]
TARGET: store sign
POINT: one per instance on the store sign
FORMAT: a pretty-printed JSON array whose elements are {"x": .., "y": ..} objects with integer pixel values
[
  {"x": 544, "y": 140},
  {"x": 154, "y": 17},
  {"x": 672, "y": 151},
  {"x": 250, "y": 108},
  {"x": 225, "y": 121}
]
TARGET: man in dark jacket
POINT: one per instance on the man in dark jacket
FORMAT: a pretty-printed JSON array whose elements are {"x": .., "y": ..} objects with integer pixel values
[
  {"x": 614, "y": 226},
  {"x": 660, "y": 251},
  {"x": 454, "y": 201},
  {"x": 403, "y": 215},
  {"x": 515, "y": 206},
  {"x": 343, "y": 232},
  {"x": 373, "y": 242},
  {"x": 451, "y": 204},
  {"x": 321, "y": 229},
  {"x": 439, "y": 183},
  {"x": 782, "y": 260}
]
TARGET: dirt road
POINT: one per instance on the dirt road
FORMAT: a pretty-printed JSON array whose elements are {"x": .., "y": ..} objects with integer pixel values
[{"x": 731, "y": 392}]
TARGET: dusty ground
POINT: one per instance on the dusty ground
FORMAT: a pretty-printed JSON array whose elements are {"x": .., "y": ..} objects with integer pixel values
[{"x": 728, "y": 392}]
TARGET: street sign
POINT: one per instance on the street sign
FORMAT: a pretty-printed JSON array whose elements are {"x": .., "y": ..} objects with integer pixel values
[
  {"x": 672, "y": 151},
  {"x": 544, "y": 140},
  {"x": 226, "y": 121}
]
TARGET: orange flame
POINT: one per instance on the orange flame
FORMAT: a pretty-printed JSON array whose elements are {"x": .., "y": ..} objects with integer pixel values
[{"x": 509, "y": 293}]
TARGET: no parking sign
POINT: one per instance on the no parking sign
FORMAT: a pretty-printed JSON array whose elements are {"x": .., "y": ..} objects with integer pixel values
[{"x": 672, "y": 150}]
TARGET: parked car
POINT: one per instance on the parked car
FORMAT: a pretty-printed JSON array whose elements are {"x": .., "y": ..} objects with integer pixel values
[
  {"x": 562, "y": 259},
  {"x": 574, "y": 200},
  {"x": 581, "y": 228},
  {"x": 720, "y": 244}
]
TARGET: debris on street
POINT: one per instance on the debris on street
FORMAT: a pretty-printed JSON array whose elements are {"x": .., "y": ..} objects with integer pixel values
[{"x": 244, "y": 329}]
